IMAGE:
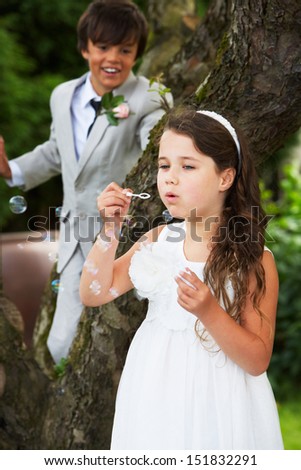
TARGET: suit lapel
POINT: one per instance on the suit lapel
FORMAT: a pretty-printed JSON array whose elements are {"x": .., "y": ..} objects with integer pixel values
[
  {"x": 101, "y": 124},
  {"x": 66, "y": 123},
  {"x": 96, "y": 134}
]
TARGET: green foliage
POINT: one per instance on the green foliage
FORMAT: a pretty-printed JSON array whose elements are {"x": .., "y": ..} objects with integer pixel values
[
  {"x": 161, "y": 89},
  {"x": 47, "y": 31},
  {"x": 284, "y": 239},
  {"x": 290, "y": 421},
  {"x": 60, "y": 367},
  {"x": 202, "y": 7}
]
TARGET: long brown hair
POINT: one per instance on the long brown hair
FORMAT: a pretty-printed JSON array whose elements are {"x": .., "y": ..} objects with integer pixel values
[{"x": 238, "y": 244}]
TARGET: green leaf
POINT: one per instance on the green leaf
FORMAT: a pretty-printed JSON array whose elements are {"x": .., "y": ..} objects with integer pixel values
[
  {"x": 117, "y": 100},
  {"x": 106, "y": 100},
  {"x": 112, "y": 120},
  {"x": 60, "y": 368}
]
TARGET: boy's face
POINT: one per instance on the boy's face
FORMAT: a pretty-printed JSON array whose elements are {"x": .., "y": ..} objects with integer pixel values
[{"x": 110, "y": 65}]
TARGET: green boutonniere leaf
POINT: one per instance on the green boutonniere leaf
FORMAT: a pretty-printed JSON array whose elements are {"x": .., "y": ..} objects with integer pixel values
[
  {"x": 117, "y": 100},
  {"x": 112, "y": 119},
  {"x": 109, "y": 103},
  {"x": 106, "y": 100}
]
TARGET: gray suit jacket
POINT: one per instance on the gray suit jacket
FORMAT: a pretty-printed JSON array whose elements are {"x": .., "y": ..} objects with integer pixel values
[{"x": 109, "y": 154}]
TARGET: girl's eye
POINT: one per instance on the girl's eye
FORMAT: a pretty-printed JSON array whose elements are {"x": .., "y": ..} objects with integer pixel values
[
  {"x": 163, "y": 166},
  {"x": 188, "y": 167}
]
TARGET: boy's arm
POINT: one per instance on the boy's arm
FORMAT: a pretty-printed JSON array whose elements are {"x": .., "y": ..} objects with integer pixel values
[
  {"x": 5, "y": 170},
  {"x": 147, "y": 124},
  {"x": 40, "y": 164},
  {"x": 153, "y": 108}
]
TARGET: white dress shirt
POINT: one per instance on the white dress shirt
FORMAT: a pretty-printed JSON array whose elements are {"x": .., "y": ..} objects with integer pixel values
[{"x": 82, "y": 113}]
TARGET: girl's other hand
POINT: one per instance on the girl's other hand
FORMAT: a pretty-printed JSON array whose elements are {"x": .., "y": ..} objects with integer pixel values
[{"x": 193, "y": 294}]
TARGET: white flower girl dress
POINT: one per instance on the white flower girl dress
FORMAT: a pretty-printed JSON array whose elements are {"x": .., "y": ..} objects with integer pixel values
[{"x": 177, "y": 391}]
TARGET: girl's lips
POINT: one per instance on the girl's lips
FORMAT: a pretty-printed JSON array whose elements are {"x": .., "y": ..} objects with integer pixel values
[{"x": 170, "y": 196}]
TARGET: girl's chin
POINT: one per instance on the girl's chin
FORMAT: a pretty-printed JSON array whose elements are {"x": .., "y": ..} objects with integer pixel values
[{"x": 176, "y": 214}]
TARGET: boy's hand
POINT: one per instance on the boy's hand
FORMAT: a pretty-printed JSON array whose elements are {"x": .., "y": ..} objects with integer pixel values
[{"x": 4, "y": 166}]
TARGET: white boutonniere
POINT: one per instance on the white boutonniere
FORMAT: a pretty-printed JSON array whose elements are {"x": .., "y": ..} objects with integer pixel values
[{"x": 115, "y": 107}]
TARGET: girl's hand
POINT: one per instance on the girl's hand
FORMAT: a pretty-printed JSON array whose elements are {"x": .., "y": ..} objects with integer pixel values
[
  {"x": 113, "y": 204},
  {"x": 193, "y": 294}
]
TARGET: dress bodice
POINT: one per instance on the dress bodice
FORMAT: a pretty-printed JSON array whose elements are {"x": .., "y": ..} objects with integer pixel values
[{"x": 153, "y": 270}]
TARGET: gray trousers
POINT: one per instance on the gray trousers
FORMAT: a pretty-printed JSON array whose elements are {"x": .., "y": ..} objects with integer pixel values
[{"x": 68, "y": 308}]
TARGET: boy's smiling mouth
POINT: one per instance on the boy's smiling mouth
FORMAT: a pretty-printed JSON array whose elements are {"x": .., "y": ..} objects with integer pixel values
[{"x": 111, "y": 70}]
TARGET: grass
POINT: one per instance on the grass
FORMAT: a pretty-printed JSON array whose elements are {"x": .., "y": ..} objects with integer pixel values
[{"x": 290, "y": 421}]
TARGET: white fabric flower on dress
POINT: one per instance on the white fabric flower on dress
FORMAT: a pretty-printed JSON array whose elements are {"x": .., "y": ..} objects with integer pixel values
[{"x": 152, "y": 271}]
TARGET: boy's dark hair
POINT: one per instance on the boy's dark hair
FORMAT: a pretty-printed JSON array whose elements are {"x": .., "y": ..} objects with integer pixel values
[{"x": 112, "y": 22}]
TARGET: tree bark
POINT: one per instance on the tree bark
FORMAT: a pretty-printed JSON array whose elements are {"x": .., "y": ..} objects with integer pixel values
[
  {"x": 171, "y": 22},
  {"x": 244, "y": 60},
  {"x": 196, "y": 58},
  {"x": 24, "y": 389},
  {"x": 256, "y": 77}
]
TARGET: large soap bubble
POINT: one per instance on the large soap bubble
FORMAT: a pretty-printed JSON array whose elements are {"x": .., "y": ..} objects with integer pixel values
[{"x": 17, "y": 204}]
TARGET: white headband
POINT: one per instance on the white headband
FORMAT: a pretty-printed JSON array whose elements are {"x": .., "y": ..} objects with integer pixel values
[{"x": 229, "y": 128}]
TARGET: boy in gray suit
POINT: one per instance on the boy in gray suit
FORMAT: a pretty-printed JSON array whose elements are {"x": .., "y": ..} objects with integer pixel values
[{"x": 90, "y": 148}]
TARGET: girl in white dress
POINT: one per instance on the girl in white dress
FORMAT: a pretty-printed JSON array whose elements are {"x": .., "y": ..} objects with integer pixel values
[{"x": 195, "y": 374}]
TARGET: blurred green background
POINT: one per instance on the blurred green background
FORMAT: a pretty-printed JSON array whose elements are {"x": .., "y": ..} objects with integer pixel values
[{"x": 38, "y": 51}]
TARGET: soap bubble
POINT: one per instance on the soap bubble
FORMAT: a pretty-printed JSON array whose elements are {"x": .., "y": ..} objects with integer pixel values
[
  {"x": 56, "y": 286},
  {"x": 95, "y": 287},
  {"x": 91, "y": 267},
  {"x": 58, "y": 211},
  {"x": 167, "y": 216},
  {"x": 52, "y": 256},
  {"x": 60, "y": 391},
  {"x": 130, "y": 221},
  {"x": 17, "y": 204},
  {"x": 46, "y": 237},
  {"x": 113, "y": 292}
]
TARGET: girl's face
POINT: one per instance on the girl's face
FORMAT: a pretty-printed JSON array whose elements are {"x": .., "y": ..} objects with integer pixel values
[
  {"x": 110, "y": 65},
  {"x": 189, "y": 182}
]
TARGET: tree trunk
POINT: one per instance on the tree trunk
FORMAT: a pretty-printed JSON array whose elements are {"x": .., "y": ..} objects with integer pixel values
[
  {"x": 243, "y": 60},
  {"x": 24, "y": 389},
  {"x": 256, "y": 77},
  {"x": 170, "y": 23}
]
